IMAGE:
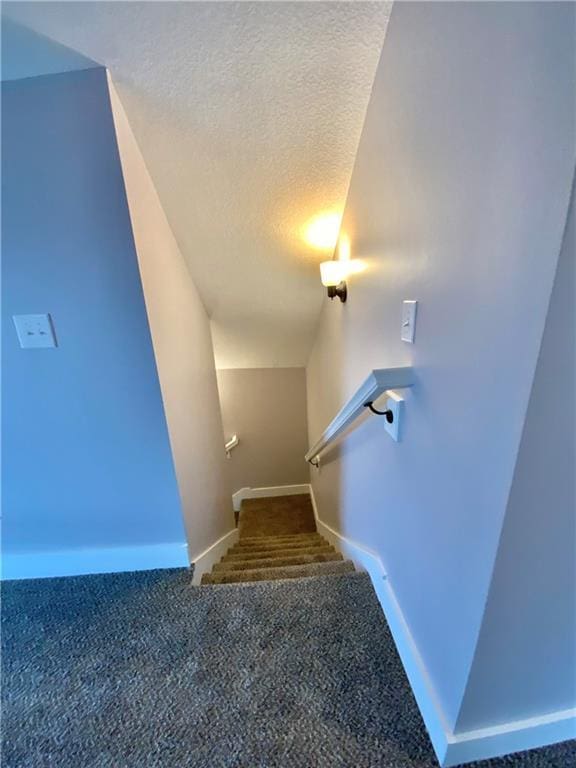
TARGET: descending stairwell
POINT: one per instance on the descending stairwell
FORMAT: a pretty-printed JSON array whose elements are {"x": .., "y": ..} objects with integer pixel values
[
  {"x": 277, "y": 557},
  {"x": 278, "y": 540}
]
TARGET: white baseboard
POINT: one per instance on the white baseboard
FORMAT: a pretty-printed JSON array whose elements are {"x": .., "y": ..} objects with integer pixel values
[
  {"x": 451, "y": 749},
  {"x": 262, "y": 493},
  {"x": 509, "y": 737},
  {"x": 205, "y": 560},
  {"x": 363, "y": 559},
  {"x": 81, "y": 562}
]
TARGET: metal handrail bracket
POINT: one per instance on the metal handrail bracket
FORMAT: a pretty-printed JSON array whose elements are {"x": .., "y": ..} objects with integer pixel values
[
  {"x": 379, "y": 381},
  {"x": 232, "y": 443}
]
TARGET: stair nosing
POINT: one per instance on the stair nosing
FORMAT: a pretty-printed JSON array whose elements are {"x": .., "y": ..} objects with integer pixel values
[
  {"x": 249, "y": 584},
  {"x": 275, "y": 540},
  {"x": 261, "y": 553},
  {"x": 283, "y": 535},
  {"x": 278, "y": 544},
  {"x": 347, "y": 566},
  {"x": 240, "y": 565}
]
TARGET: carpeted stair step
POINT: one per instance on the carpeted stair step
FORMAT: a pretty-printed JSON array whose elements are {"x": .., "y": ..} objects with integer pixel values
[
  {"x": 235, "y": 554},
  {"x": 275, "y": 562},
  {"x": 283, "y": 572},
  {"x": 279, "y": 537},
  {"x": 257, "y": 540},
  {"x": 286, "y": 537},
  {"x": 271, "y": 545}
]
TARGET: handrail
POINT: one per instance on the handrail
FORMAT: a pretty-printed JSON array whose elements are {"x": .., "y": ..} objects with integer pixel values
[
  {"x": 232, "y": 443},
  {"x": 379, "y": 380}
]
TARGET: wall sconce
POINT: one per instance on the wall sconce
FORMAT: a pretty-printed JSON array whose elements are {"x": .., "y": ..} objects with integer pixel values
[{"x": 333, "y": 275}]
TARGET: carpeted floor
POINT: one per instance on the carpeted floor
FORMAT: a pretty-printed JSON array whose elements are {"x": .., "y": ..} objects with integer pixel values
[{"x": 142, "y": 670}]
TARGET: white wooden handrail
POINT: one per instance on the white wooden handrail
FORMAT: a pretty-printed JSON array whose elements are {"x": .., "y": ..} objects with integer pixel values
[
  {"x": 232, "y": 443},
  {"x": 380, "y": 380}
]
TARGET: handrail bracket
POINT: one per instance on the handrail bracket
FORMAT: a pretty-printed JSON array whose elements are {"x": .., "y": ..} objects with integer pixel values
[
  {"x": 379, "y": 381},
  {"x": 388, "y": 413}
]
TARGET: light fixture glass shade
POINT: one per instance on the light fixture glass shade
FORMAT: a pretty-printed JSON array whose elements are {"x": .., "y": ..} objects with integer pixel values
[{"x": 333, "y": 272}]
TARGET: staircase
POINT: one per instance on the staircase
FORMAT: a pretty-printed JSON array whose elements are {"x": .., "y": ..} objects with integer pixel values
[{"x": 278, "y": 540}]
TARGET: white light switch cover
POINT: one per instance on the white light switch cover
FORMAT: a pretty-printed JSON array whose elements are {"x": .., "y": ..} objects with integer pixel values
[
  {"x": 409, "y": 321},
  {"x": 35, "y": 331}
]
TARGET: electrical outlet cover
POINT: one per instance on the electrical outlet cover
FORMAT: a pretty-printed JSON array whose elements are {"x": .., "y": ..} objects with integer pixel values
[
  {"x": 35, "y": 331},
  {"x": 396, "y": 404}
]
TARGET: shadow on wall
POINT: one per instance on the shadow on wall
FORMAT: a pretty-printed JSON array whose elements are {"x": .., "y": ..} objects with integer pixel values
[
  {"x": 98, "y": 442},
  {"x": 266, "y": 408},
  {"x": 26, "y": 53},
  {"x": 185, "y": 362}
]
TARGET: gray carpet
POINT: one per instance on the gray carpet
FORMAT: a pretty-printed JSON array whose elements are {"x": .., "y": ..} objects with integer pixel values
[{"x": 143, "y": 670}]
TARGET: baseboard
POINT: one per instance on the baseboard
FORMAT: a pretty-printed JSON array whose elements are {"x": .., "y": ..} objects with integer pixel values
[
  {"x": 510, "y": 737},
  {"x": 366, "y": 560},
  {"x": 363, "y": 559},
  {"x": 451, "y": 749},
  {"x": 81, "y": 562},
  {"x": 205, "y": 560},
  {"x": 261, "y": 493}
]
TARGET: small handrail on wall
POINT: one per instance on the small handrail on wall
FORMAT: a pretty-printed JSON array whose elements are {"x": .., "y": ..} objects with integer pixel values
[
  {"x": 232, "y": 443},
  {"x": 379, "y": 381}
]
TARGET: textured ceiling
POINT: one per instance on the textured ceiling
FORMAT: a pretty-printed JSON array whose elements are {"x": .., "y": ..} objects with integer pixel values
[{"x": 248, "y": 115}]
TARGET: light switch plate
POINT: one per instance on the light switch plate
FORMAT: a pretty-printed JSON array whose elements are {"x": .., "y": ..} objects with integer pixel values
[
  {"x": 395, "y": 403},
  {"x": 35, "y": 331},
  {"x": 408, "y": 320}
]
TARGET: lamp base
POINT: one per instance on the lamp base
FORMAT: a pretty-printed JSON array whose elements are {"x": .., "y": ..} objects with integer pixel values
[{"x": 339, "y": 290}]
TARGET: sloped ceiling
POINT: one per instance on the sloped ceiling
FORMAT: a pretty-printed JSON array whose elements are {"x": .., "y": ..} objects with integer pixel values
[{"x": 248, "y": 115}]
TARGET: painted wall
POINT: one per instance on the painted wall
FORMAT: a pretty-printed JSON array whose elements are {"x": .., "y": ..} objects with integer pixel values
[
  {"x": 183, "y": 347},
  {"x": 266, "y": 408},
  {"x": 86, "y": 455},
  {"x": 458, "y": 199},
  {"x": 525, "y": 661},
  {"x": 25, "y": 53}
]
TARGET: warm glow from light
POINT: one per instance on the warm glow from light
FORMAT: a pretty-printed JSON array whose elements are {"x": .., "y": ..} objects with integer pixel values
[
  {"x": 355, "y": 266},
  {"x": 321, "y": 232},
  {"x": 333, "y": 272},
  {"x": 344, "y": 248}
]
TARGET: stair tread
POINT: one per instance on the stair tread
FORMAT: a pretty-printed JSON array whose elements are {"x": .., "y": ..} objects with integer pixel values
[
  {"x": 282, "y": 572},
  {"x": 282, "y": 537},
  {"x": 261, "y": 553},
  {"x": 270, "y": 545},
  {"x": 272, "y": 562},
  {"x": 279, "y": 544}
]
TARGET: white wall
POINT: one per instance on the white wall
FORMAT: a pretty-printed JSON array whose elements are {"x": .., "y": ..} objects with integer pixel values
[
  {"x": 525, "y": 661},
  {"x": 183, "y": 348},
  {"x": 88, "y": 478},
  {"x": 266, "y": 408},
  {"x": 24, "y": 53},
  {"x": 458, "y": 199}
]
